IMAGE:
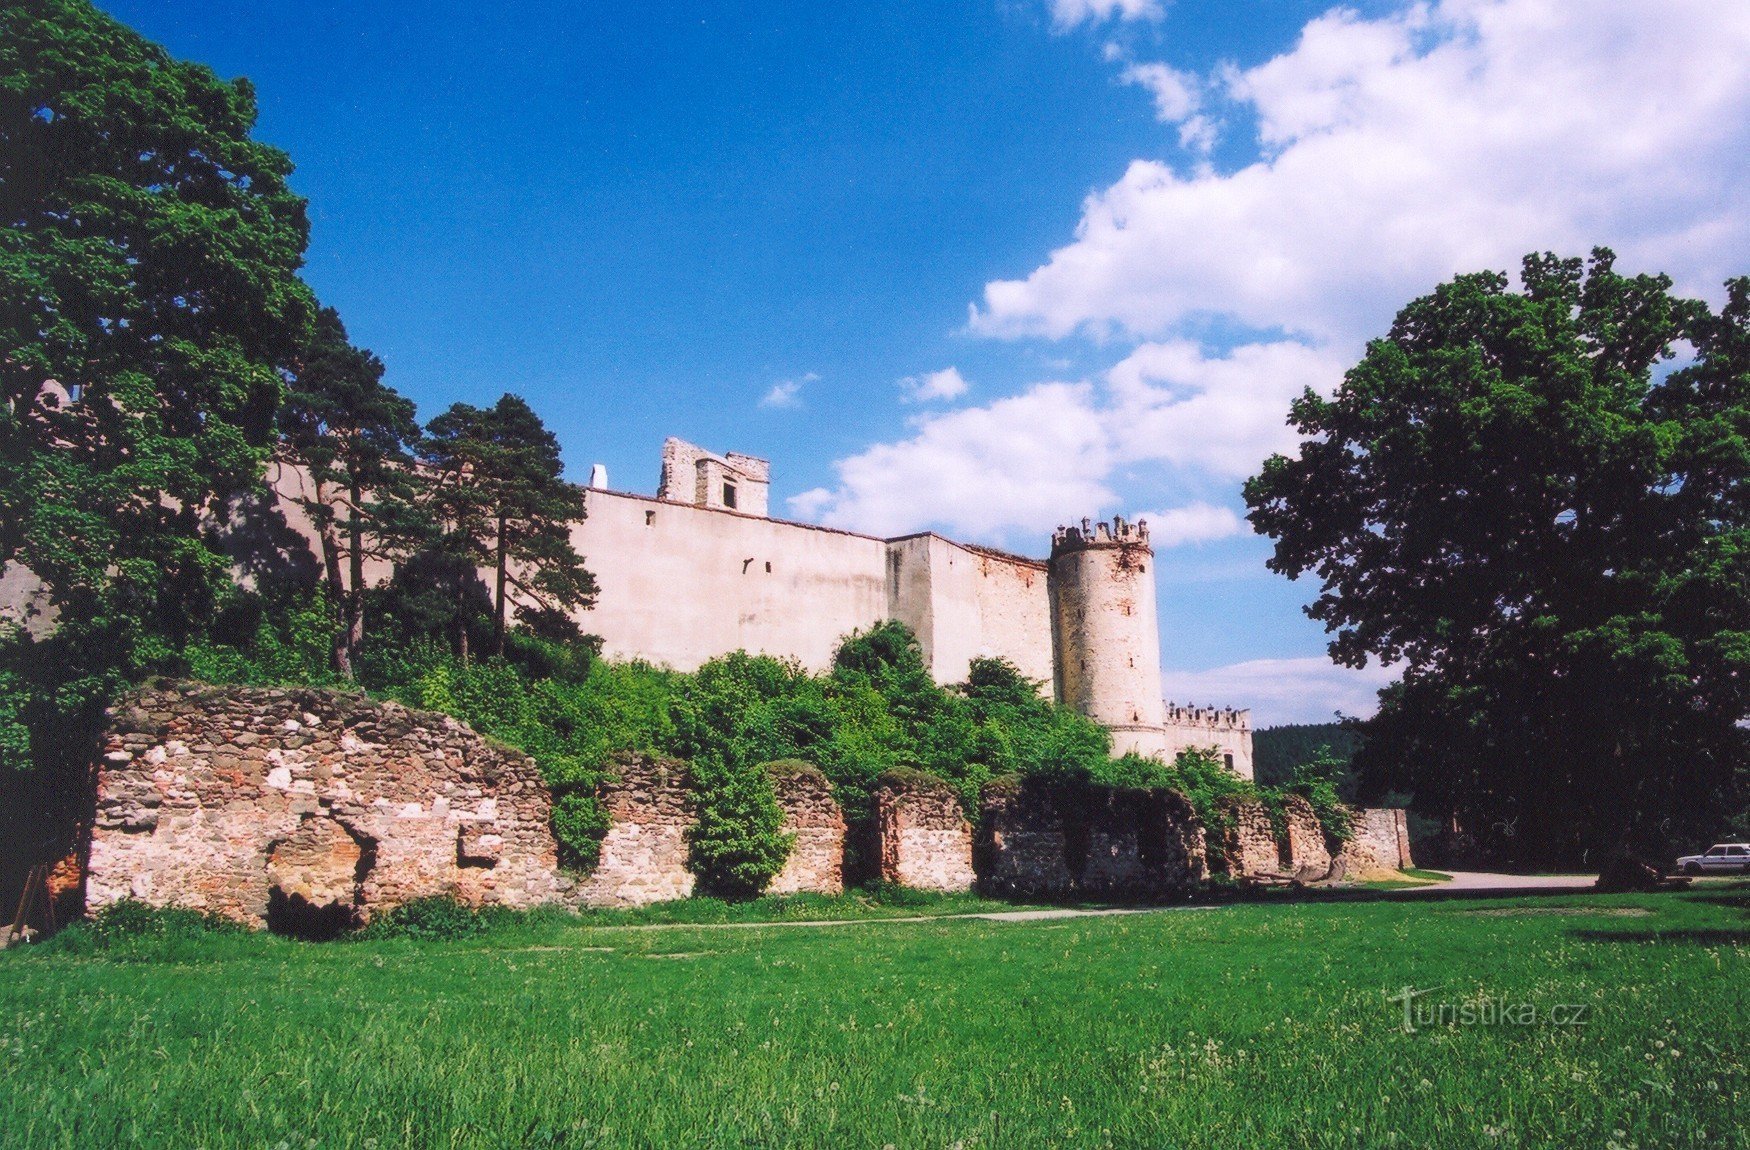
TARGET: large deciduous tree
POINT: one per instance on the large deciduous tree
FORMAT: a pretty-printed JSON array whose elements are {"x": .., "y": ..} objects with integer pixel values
[
  {"x": 498, "y": 489},
  {"x": 149, "y": 301},
  {"x": 355, "y": 436},
  {"x": 1517, "y": 499}
]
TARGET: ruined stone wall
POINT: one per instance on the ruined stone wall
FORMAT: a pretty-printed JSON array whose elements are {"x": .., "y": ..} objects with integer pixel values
[
  {"x": 1306, "y": 852},
  {"x": 817, "y": 854},
  {"x": 1023, "y": 847},
  {"x": 644, "y": 854},
  {"x": 1248, "y": 841},
  {"x": 259, "y": 803},
  {"x": 1039, "y": 839},
  {"x": 924, "y": 840},
  {"x": 1380, "y": 842}
]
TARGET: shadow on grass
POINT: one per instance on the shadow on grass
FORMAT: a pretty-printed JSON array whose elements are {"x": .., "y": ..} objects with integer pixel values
[
  {"x": 1683, "y": 936},
  {"x": 1736, "y": 896}
]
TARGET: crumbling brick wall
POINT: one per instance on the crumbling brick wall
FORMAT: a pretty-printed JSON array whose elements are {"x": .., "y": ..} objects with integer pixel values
[
  {"x": 1142, "y": 843},
  {"x": 1022, "y": 845},
  {"x": 924, "y": 839},
  {"x": 1043, "y": 839},
  {"x": 1307, "y": 854},
  {"x": 644, "y": 854},
  {"x": 817, "y": 854},
  {"x": 1380, "y": 842},
  {"x": 1248, "y": 841},
  {"x": 311, "y": 807}
]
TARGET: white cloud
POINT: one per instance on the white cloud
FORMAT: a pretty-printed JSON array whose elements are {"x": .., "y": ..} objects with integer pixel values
[
  {"x": 787, "y": 393},
  {"x": 1193, "y": 523},
  {"x": 1067, "y": 14},
  {"x": 1174, "y": 403},
  {"x": 1027, "y": 462},
  {"x": 1030, "y": 462},
  {"x": 1174, "y": 92},
  {"x": 1400, "y": 150},
  {"x": 945, "y": 384},
  {"x": 1309, "y": 690}
]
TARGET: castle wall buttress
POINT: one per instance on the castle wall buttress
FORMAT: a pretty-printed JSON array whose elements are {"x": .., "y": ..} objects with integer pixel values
[{"x": 970, "y": 602}]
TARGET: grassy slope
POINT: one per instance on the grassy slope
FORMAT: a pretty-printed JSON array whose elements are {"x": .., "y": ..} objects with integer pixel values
[{"x": 1249, "y": 1025}]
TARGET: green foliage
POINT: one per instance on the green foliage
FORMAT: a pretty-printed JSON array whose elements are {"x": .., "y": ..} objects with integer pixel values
[
  {"x": 148, "y": 265},
  {"x": 353, "y": 436},
  {"x": 436, "y": 918},
  {"x": 1313, "y": 782},
  {"x": 737, "y": 844},
  {"x": 580, "y": 822},
  {"x": 498, "y": 487},
  {"x": 128, "y": 922},
  {"x": 256, "y": 643},
  {"x": 1278, "y": 751},
  {"x": 1514, "y": 498}
]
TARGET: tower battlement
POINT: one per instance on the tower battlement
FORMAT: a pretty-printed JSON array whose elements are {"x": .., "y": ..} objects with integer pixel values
[
  {"x": 1118, "y": 532},
  {"x": 1215, "y": 718}
]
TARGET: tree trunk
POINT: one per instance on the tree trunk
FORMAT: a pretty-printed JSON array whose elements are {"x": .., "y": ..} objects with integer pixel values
[
  {"x": 498, "y": 594},
  {"x": 339, "y": 655},
  {"x": 353, "y": 637},
  {"x": 462, "y": 620}
]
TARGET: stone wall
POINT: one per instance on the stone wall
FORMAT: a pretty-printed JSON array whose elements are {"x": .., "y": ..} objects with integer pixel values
[
  {"x": 923, "y": 839},
  {"x": 644, "y": 854},
  {"x": 1381, "y": 842},
  {"x": 1023, "y": 846},
  {"x": 1248, "y": 841},
  {"x": 1305, "y": 848},
  {"x": 310, "y": 809},
  {"x": 817, "y": 856},
  {"x": 1043, "y": 840}
]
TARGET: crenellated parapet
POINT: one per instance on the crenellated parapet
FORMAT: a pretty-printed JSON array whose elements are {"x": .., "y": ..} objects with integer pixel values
[
  {"x": 1214, "y": 718},
  {"x": 1118, "y": 533}
]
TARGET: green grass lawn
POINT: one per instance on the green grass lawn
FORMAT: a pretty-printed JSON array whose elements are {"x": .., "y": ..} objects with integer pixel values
[{"x": 1250, "y": 1025}]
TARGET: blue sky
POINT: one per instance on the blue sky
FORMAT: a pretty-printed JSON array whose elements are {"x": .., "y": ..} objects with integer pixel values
[{"x": 978, "y": 267}]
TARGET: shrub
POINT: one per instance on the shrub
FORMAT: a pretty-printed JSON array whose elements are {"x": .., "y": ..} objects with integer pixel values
[
  {"x": 1317, "y": 787},
  {"x": 738, "y": 843},
  {"x": 580, "y": 822},
  {"x": 130, "y": 919},
  {"x": 435, "y": 917}
]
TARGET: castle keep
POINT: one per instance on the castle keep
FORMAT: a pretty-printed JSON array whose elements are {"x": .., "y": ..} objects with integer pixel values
[{"x": 701, "y": 570}]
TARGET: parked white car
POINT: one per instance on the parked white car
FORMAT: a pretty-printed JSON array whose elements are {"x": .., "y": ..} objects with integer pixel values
[{"x": 1722, "y": 858}]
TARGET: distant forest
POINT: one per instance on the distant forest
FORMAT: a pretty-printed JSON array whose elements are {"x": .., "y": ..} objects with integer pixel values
[{"x": 1277, "y": 751}]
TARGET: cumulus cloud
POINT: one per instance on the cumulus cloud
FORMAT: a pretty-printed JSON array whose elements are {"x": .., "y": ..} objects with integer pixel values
[
  {"x": 945, "y": 384},
  {"x": 787, "y": 392},
  {"x": 1309, "y": 690},
  {"x": 1193, "y": 523},
  {"x": 1029, "y": 462},
  {"x": 1398, "y": 150},
  {"x": 1067, "y": 14},
  {"x": 1174, "y": 92}
]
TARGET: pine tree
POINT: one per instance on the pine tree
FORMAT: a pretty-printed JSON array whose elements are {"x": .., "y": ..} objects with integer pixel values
[
  {"x": 498, "y": 490},
  {"x": 354, "y": 435}
]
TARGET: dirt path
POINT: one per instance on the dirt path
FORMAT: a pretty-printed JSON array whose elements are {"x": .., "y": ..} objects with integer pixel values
[
  {"x": 1040, "y": 915},
  {"x": 1507, "y": 883}
]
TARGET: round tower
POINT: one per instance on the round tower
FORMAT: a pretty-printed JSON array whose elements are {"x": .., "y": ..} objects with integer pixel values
[{"x": 1105, "y": 632}]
